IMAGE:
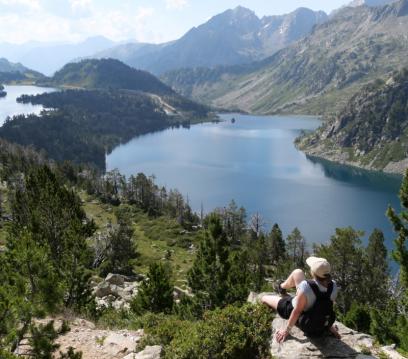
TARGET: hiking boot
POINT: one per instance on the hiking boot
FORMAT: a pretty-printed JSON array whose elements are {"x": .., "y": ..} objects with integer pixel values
[{"x": 279, "y": 289}]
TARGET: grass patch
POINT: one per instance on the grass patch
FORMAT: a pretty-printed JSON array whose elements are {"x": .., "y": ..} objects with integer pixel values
[{"x": 156, "y": 239}]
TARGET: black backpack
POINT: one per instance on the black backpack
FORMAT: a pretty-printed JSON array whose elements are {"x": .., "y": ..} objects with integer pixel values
[{"x": 321, "y": 316}]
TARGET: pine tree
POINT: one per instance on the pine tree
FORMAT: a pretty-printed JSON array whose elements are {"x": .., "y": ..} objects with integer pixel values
[
  {"x": 400, "y": 223},
  {"x": 296, "y": 248},
  {"x": 209, "y": 272},
  {"x": 239, "y": 277},
  {"x": 276, "y": 245},
  {"x": 52, "y": 216},
  {"x": 345, "y": 254},
  {"x": 234, "y": 222},
  {"x": 376, "y": 273},
  {"x": 156, "y": 292},
  {"x": 120, "y": 248}
]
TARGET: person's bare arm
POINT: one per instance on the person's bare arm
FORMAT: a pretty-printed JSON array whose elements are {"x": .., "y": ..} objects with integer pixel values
[{"x": 281, "y": 335}]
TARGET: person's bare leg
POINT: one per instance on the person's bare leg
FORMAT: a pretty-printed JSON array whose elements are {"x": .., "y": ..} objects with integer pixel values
[
  {"x": 294, "y": 279},
  {"x": 271, "y": 301}
]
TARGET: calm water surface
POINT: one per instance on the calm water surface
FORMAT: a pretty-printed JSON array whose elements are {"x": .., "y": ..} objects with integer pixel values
[
  {"x": 9, "y": 106},
  {"x": 254, "y": 162}
]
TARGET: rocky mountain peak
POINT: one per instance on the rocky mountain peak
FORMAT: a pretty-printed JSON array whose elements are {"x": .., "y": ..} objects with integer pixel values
[{"x": 372, "y": 3}]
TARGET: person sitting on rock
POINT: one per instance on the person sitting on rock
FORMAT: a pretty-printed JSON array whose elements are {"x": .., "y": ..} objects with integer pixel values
[{"x": 312, "y": 308}]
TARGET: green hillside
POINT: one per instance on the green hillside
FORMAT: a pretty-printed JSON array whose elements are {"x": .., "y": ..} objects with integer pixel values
[
  {"x": 371, "y": 131},
  {"x": 107, "y": 73}
]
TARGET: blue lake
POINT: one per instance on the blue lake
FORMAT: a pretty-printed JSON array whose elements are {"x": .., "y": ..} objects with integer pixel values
[
  {"x": 9, "y": 107},
  {"x": 255, "y": 162}
]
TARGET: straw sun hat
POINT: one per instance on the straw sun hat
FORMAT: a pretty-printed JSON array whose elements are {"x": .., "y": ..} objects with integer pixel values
[{"x": 319, "y": 266}]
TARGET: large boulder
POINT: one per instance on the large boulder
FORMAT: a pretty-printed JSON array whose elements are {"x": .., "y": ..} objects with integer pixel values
[
  {"x": 353, "y": 345},
  {"x": 150, "y": 352},
  {"x": 297, "y": 345},
  {"x": 116, "y": 279},
  {"x": 102, "y": 290}
]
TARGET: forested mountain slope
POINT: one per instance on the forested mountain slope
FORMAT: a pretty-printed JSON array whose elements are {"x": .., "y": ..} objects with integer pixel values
[
  {"x": 371, "y": 131},
  {"x": 319, "y": 73},
  {"x": 111, "y": 104},
  {"x": 106, "y": 73}
]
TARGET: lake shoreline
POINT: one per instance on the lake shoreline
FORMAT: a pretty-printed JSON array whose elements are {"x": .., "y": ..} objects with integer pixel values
[{"x": 255, "y": 162}]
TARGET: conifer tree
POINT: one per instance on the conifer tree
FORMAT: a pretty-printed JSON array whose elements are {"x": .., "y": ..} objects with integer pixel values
[
  {"x": 156, "y": 292},
  {"x": 276, "y": 245},
  {"x": 53, "y": 217},
  {"x": 209, "y": 272},
  {"x": 239, "y": 277},
  {"x": 376, "y": 271},
  {"x": 296, "y": 248},
  {"x": 259, "y": 252},
  {"x": 400, "y": 224},
  {"x": 345, "y": 254},
  {"x": 121, "y": 249}
]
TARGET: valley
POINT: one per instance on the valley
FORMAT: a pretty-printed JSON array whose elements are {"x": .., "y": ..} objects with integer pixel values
[{"x": 165, "y": 166}]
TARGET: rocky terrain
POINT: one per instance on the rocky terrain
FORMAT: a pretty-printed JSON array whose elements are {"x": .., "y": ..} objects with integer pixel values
[
  {"x": 353, "y": 345},
  {"x": 96, "y": 343},
  {"x": 371, "y": 130},
  {"x": 117, "y": 291},
  {"x": 371, "y": 2}
]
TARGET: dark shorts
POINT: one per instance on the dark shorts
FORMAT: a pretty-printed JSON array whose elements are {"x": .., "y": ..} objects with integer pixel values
[{"x": 285, "y": 307}]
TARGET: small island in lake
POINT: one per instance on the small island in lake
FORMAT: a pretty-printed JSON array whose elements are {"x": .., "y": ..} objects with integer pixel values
[{"x": 2, "y": 92}]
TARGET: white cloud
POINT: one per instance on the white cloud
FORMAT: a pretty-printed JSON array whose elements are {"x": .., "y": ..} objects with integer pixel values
[
  {"x": 80, "y": 5},
  {"x": 176, "y": 4},
  {"x": 31, "y": 4},
  {"x": 74, "y": 20}
]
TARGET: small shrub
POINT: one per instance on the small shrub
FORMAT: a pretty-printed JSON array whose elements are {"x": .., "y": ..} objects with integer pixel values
[
  {"x": 382, "y": 355},
  {"x": 229, "y": 333},
  {"x": 365, "y": 350},
  {"x": 358, "y": 318}
]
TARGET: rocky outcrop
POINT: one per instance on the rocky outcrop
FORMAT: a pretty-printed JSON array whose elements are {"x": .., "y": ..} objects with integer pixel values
[
  {"x": 370, "y": 132},
  {"x": 353, "y": 345},
  {"x": 97, "y": 343},
  {"x": 116, "y": 291},
  {"x": 150, "y": 352}
]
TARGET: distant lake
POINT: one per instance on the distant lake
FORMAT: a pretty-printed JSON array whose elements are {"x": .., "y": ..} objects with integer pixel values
[
  {"x": 9, "y": 106},
  {"x": 255, "y": 162}
]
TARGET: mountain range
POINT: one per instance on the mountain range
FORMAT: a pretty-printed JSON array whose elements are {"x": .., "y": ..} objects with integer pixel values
[
  {"x": 10, "y": 71},
  {"x": 371, "y": 2},
  {"x": 236, "y": 36},
  {"x": 7, "y": 66},
  {"x": 317, "y": 74},
  {"x": 50, "y": 57}
]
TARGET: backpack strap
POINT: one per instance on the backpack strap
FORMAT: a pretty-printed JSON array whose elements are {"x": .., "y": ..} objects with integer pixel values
[{"x": 317, "y": 291}]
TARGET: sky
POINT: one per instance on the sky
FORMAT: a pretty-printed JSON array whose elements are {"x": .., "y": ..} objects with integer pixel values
[{"x": 126, "y": 20}]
